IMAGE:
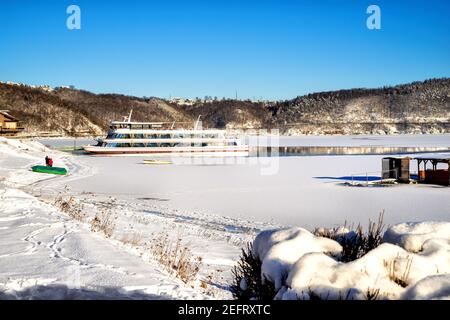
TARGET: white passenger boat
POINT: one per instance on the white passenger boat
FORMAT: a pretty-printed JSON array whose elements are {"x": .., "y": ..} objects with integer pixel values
[{"x": 161, "y": 138}]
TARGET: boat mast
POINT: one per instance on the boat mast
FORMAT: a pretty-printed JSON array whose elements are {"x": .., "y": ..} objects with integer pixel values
[
  {"x": 129, "y": 117},
  {"x": 198, "y": 121}
]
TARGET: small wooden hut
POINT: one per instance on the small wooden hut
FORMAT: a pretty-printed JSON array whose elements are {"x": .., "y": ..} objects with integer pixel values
[{"x": 395, "y": 168}]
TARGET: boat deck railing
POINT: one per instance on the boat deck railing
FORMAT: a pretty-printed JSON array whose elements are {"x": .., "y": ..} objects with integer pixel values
[{"x": 151, "y": 125}]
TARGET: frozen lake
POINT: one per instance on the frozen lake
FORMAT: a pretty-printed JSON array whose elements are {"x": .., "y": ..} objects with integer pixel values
[{"x": 304, "y": 191}]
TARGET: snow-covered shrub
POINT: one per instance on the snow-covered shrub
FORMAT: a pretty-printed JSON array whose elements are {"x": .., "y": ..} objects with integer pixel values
[
  {"x": 412, "y": 236},
  {"x": 355, "y": 243},
  {"x": 280, "y": 249},
  {"x": 328, "y": 278},
  {"x": 413, "y": 262},
  {"x": 248, "y": 283}
]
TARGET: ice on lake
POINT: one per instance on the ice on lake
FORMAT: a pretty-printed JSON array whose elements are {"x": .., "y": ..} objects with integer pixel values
[{"x": 304, "y": 191}]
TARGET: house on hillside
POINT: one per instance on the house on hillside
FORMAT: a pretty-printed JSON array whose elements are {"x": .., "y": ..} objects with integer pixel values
[
  {"x": 182, "y": 101},
  {"x": 8, "y": 124}
]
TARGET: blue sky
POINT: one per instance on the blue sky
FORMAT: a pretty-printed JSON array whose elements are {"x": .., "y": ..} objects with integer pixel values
[{"x": 270, "y": 49}]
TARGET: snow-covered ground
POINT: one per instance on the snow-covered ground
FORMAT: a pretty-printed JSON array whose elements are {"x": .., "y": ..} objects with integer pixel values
[
  {"x": 215, "y": 206},
  {"x": 45, "y": 253}
]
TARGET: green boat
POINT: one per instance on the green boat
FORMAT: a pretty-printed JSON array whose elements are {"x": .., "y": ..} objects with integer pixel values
[{"x": 48, "y": 169}]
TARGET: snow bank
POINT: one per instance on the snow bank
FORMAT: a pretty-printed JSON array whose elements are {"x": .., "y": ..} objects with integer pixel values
[
  {"x": 433, "y": 287},
  {"x": 280, "y": 249},
  {"x": 26, "y": 149},
  {"x": 326, "y": 278},
  {"x": 412, "y": 263},
  {"x": 412, "y": 236}
]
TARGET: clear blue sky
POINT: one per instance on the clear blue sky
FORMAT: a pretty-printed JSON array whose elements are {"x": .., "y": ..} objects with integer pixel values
[{"x": 275, "y": 49}]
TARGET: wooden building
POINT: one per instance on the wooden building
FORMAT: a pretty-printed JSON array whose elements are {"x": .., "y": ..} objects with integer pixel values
[
  {"x": 8, "y": 124},
  {"x": 395, "y": 168},
  {"x": 434, "y": 169},
  {"x": 431, "y": 168}
]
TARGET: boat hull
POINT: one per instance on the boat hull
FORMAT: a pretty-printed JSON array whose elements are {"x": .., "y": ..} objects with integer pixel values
[
  {"x": 156, "y": 162},
  {"x": 239, "y": 151},
  {"x": 48, "y": 169}
]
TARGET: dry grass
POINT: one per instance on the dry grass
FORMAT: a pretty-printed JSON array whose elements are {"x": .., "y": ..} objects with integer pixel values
[
  {"x": 372, "y": 294},
  {"x": 247, "y": 279},
  {"x": 176, "y": 257},
  {"x": 105, "y": 219},
  {"x": 133, "y": 239},
  {"x": 402, "y": 279},
  {"x": 71, "y": 207}
]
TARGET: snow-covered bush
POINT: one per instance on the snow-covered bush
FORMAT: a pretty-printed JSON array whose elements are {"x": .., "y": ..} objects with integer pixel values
[
  {"x": 412, "y": 236},
  {"x": 411, "y": 261},
  {"x": 280, "y": 249}
]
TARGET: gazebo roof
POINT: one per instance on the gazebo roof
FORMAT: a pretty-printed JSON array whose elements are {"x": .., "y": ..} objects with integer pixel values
[{"x": 444, "y": 157}]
